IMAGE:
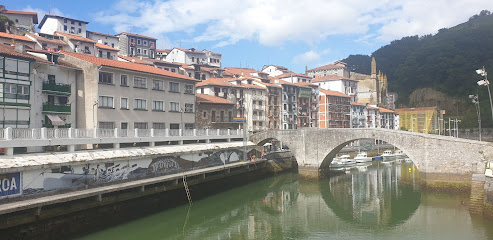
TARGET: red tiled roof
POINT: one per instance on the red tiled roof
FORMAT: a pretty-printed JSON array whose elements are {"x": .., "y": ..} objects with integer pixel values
[
  {"x": 218, "y": 82},
  {"x": 184, "y": 66},
  {"x": 358, "y": 104},
  {"x": 16, "y": 37},
  {"x": 269, "y": 84},
  {"x": 106, "y": 47},
  {"x": 399, "y": 110},
  {"x": 328, "y": 66},
  {"x": 9, "y": 51},
  {"x": 287, "y": 83},
  {"x": 289, "y": 74},
  {"x": 240, "y": 71},
  {"x": 306, "y": 84},
  {"x": 75, "y": 37},
  {"x": 384, "y": 110},
  {"x": 127, "y": 65},
  {"x": 333, "y": 93},
  {"x": 34, "y": 14},
  {"x": 331, "y": 78},
  {"x": 104, "y": 34},
  {"x": 46, "y": 40},
  {"x": 134, "y": 60},
  {"x": 204, "y": 98},
  {"x": 163, "y": 50},
  {"x": 136, "y": 35}
]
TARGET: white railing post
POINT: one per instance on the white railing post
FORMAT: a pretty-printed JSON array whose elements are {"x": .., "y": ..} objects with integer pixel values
[
  {"x": 95, "y": 133},
  {"x": 166, "y": 132},
  {"x": 229, "y": 132},
  {"x": 33, "y": 133},
  {"x": 43, "y": 133},
  {"x": 152, "y": 132},
  {"x": 136, "y": 132},
  {"x": 194, "y": 132},
  {"x": 207, "y": 132},
  {"x": 70, "y": 133},
  {"x": 8, "y": 133},
  {"x": 180, "y": 132},
  {"x": 218, "y": 132},
  {"x": 115, "y": 132},
  {"x": 55, "y": 135}
]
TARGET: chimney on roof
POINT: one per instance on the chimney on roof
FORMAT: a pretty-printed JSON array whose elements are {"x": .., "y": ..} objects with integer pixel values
[{"x": 20, "y": 48}]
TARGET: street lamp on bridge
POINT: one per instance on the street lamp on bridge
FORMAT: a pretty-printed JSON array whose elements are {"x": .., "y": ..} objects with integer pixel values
[
  {"x": 475, "y": 100},
  {"x": 485, "y": 82}
]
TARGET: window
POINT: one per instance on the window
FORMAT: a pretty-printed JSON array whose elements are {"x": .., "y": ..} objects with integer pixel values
[
  {"x": 140, "y": 125},
  {"x": 108, "y": 55},
  {"x": 138, "y": 41},
  {"x": 188, "y": 108},
  {"x": 65, "y": 28},
  {"x": 174, "y": 87},
  {"x": 112, "y": 45},
  {"x": 80, "y": 30},
  {"x": 64, "y": 20},
  {"x": 188, "y": 89},
  {"x": 145, "y": 51},
  {"x": 174, "y": 126},
  {"x": 157, "y": 84},
  {"x": 145, "y": 42},
  {"x": 124, "y": 80},
  {"x": 174, "y": 107},
  {"x": 157, "y": 105},
  {"x": 173, "y": 70},
  {"x": 106, "y": 77},
  {"x": 80, "y": 24},
  {"x": 132, "y": 40},
  {"x": 105, "y": 102},
  {"x": 72, "y": 22},
  {"x": 140, "y": 104},
  {"x": 123, "y": 103},
  {"x": 140, "y": 82},
  {"x": 14, "y": 91},
  {"x": 151, "y": 43},
  {"x": 106, "y": 125},
  {"x": 100, "y": 54},
  {"x": 189, "y": 126},
  {"x": 158, "y": 125}
]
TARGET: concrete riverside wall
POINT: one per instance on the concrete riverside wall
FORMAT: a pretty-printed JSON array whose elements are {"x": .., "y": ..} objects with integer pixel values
[
  {"x": 488, "y": 197},
  {"x": 46, "y": 173},
  {"x": 438, "y": 158}
]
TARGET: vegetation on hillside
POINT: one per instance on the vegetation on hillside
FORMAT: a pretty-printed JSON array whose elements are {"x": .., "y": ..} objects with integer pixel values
[{"x": 445, "y": 62}]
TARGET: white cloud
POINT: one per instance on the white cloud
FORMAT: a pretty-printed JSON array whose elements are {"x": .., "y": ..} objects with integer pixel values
[
  {"x": 310, "y": 56},
  {"x": 42, "y": 12},
  {"x": 274, "y": 22}
]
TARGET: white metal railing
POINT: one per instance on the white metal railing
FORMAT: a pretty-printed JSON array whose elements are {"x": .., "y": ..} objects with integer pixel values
[{"x": 73, "y": 133}]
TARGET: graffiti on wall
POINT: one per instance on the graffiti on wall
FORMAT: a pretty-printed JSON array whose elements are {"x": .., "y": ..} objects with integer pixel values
[{"x": 83, "y": 175}]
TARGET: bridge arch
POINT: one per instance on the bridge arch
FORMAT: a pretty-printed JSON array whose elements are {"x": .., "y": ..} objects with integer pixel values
[{"x": 432, "y": 154}]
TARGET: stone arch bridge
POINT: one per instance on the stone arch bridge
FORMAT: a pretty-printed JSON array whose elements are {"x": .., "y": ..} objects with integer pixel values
[{"x": 437, "y": 157}]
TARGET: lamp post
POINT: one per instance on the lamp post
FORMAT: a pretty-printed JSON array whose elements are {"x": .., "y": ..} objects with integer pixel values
[
  {"x": 475, "y": 100},
  {"x": 486, "y": 83}
]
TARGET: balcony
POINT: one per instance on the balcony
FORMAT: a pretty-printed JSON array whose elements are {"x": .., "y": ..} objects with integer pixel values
[
  {"x": 258, "y": 107},
  {"x": 258, "y": 97},
  {"x": 64, "y": 109},
  {"x": 56, "y": 89},
  {"x": 258, "y": 118}
]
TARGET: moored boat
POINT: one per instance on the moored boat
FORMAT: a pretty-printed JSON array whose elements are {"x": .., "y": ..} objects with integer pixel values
[{"x": 362, "y": 157}]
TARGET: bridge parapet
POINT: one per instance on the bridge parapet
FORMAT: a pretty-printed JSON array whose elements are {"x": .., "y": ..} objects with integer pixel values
[{"x": 434, "y": 155}]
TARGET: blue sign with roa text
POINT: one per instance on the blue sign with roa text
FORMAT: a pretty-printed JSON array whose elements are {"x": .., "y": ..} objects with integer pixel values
[{"x": 10, "y": 184}]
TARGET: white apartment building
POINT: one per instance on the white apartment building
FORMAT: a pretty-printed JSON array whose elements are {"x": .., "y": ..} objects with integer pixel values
[
  {"x": 103, "y": 38},
  {"x": 11, "y": 39},
  {"x": 338, "y": 69},
  {"x": 136, "y": 45},
  {"x": 52, "y": 23},
  {"x": 116, "y": 94},
  {"x": 359, "y": 115},
  {"x": 78, "y": 44},
  {"x": 339, "y": 84},
  {"x": 274, "y": 70},
  {"x": 294, "y": 77},
  {"x": 48, "y": 42},
  {"x": 193, "y": 56}
]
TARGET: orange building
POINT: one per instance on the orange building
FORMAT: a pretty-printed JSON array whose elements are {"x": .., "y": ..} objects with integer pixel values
[{"x": 334, "y": 109}]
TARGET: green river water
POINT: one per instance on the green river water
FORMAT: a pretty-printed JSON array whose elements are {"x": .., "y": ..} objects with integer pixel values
[{"x": 380, "y": 201}]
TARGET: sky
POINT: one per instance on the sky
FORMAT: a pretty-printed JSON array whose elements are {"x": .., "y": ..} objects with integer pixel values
[{"x": 253, "y": 33}]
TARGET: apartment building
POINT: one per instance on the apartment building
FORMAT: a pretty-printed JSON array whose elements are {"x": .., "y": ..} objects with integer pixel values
[
  {"x": 294, "y": 77},
  {"x": 136, "y": 45},
  {"x": 193, "y": 56},
  {"x": 103, "y": 38},
  {"x": 359, "y": 115},
  {"x": 11, "y": 39},
  {"x": 53, "y": 23},
  {"x": 308, "y": 104},
  {"x": 337, "y": 68},
  {"x": 78, "y": 43},
  {"x": 274, "y": 70},
  {"x": 334, "y": 109},
  {"x": 215, "y": 113},
  {"x": 116, "y": 94},
  {"x": 387, "y": 119},
  {"x": 48, "y": 42},
  {"x": 273, "y": 104},
  {"x": 289, "y": 105},
  {"x": 24, "y": 21},
  {"x": 339, "y": 84}
]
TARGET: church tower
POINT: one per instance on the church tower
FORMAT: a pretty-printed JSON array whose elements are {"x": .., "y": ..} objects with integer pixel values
[{"x": 373, "y": 68}]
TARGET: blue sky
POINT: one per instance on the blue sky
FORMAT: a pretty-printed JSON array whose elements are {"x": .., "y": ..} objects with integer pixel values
[{"x": 252, "y": 33}]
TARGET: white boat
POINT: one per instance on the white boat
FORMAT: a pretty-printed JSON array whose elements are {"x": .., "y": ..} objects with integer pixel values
[
  {"x": 399, "y": 154},
  {"x": 342, "y": 160},
  {"x": 362, "y": 157},
  {"x": 388, "y": 155}
]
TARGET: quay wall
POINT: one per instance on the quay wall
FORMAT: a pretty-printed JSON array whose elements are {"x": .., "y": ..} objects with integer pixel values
[{"x": 27, "y": 175}]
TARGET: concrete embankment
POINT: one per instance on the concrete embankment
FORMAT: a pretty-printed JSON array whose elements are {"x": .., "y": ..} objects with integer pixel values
[{"x": 70, "y": 210}]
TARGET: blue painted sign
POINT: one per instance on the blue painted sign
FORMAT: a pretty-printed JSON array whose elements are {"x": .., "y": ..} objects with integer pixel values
[{"x": 10, "y": 184}]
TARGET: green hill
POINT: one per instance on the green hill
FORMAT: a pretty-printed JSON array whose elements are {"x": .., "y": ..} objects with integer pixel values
[{"x": 445, "y": 62}]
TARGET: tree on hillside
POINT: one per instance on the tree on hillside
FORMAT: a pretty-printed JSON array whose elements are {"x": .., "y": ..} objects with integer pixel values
[{"x": 6, "y": 24}]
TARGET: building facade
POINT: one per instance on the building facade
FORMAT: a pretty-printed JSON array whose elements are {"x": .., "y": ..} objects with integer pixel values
[
  {"x": 136, "y": 45},
  {"x": 423, "y": 120},
  {"x": 339, "y": 84},
  {"x": 338, "y": 69},
  {"x": 53, "y": 23},
  {"x": 334, "y": 109},
  {"x": 215, "y": 113},
  {"x": 24, "y": 21}
]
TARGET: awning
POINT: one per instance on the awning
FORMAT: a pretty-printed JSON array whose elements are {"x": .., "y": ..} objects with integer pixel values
[{"x": 56, "y": 120}]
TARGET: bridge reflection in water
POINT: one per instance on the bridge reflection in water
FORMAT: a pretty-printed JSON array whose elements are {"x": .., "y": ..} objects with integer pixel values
[{"x": 381, "y": 202}]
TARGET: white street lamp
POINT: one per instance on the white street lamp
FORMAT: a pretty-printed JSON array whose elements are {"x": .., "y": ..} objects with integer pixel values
[
  {"x": 486, "y": 83},
  {"x": 475, "y": 100}
]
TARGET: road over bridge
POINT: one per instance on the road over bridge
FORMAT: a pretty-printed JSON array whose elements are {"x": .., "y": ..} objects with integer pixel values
[{"x": 438, "y": 158}]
